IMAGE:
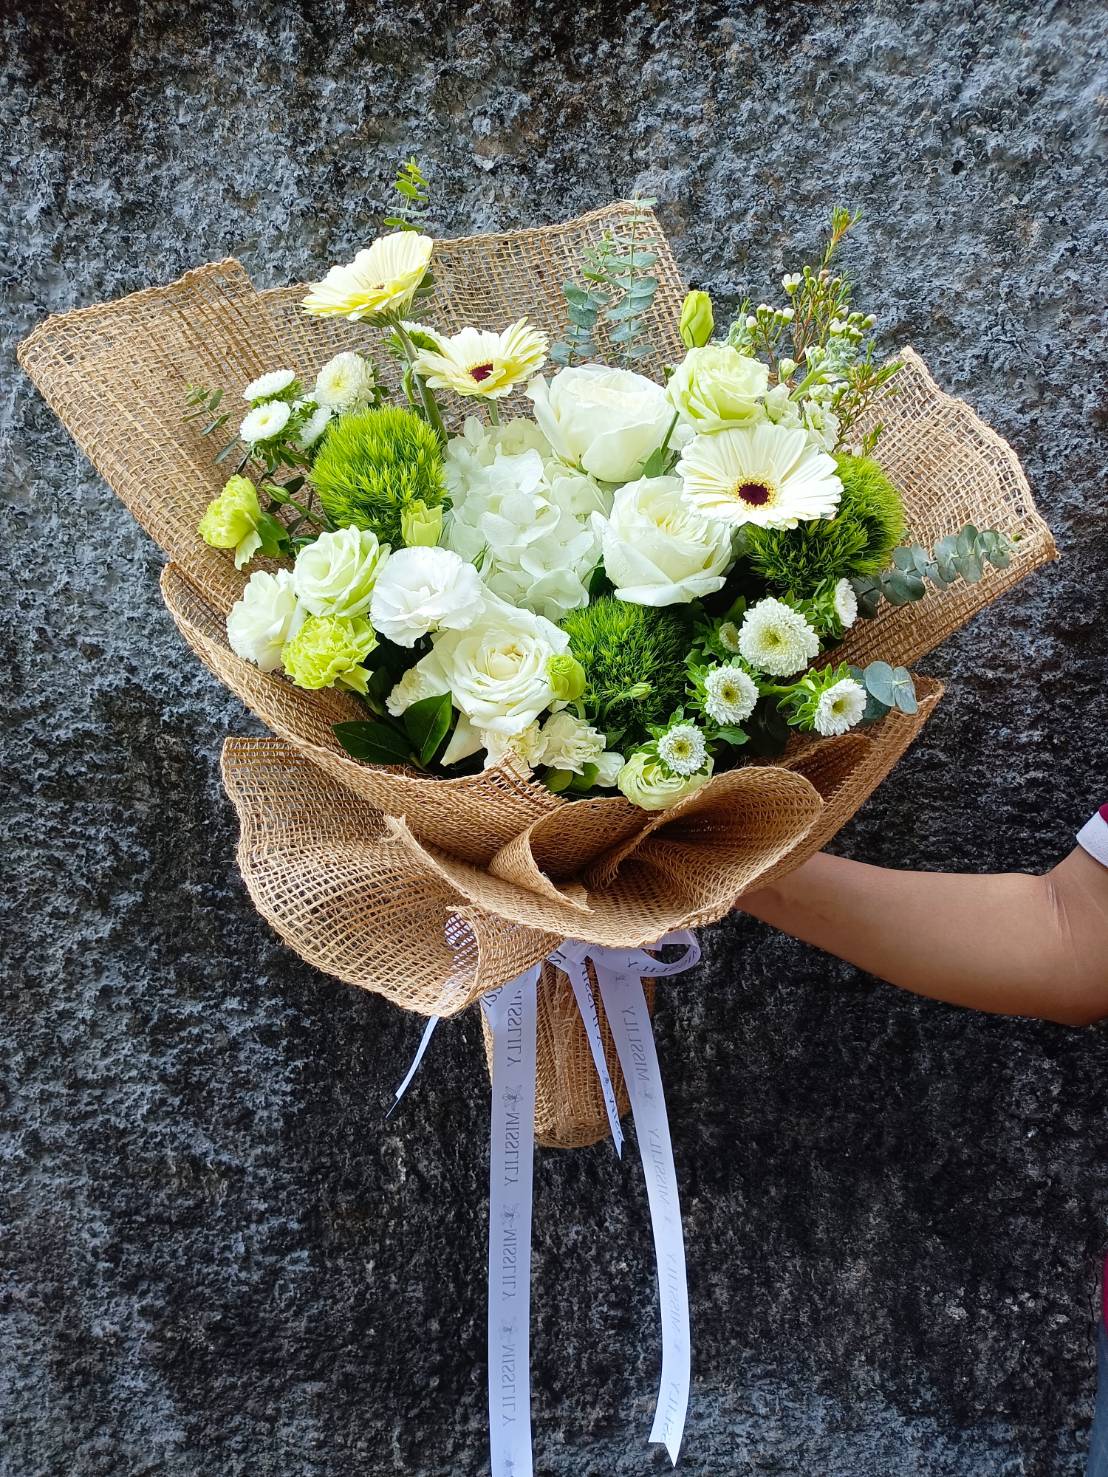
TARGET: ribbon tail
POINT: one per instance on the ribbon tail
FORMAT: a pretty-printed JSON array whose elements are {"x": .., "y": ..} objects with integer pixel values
[
  {"x": 512, "y": 1016},
  {"x": 577, "y": 972},
  {"x": 424, "y": 1042},
  {"x": 625, "y": 1005}
]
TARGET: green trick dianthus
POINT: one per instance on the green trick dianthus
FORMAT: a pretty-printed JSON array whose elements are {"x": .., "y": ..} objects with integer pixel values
[
  {"x": 859, "y": 539},
  {"x": 634, "y": 661},
  {"x": 373, "y": 467}
]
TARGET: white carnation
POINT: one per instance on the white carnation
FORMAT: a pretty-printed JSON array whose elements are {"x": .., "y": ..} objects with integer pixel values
[
  {"x": 658, "y": 550},
  {"x": 345, "y": 383},
  {"x": 265, "y": 421},
  {"x": 269, "y": 384},
  {"x": 264, "y": 619},
  {"x": 413, "y": 687},
  {"x": 608, "y": 767},
  {"x": 526, "y": 746},
  {"x": 729, "y": 695},
  {"x": 775, "y": 638},
  {"x": 840, "y": 708},
  {"x": 425, "y": 589},
  {"x": 570, "y": 743}
]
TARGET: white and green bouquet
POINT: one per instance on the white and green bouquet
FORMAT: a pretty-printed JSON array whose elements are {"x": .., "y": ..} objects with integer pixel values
[{"x": 624, "y": 585}]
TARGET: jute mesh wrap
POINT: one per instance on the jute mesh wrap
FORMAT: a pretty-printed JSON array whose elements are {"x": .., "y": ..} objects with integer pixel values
[{"x": 432, "y": 891}]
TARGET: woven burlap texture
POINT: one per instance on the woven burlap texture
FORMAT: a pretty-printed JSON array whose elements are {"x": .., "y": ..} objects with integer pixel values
[{"x": 432, "y": 891}]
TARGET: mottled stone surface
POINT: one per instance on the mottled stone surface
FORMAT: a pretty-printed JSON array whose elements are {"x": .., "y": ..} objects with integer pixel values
[{"x": 217, "y": 1258}]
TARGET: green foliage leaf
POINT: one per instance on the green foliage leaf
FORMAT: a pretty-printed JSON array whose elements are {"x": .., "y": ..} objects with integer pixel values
[
  {"x": 274, "y": 536},
  {"x": 891, "y": 686},
  {"x": 730, "y": 734},
  {"x": 375, "y": 743},
  {"x": 427, "y": 723},
  {"x": 769, "y": 729}
]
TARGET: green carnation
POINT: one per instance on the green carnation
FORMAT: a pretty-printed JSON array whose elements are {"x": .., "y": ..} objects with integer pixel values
[
  {"x": 375, "y": 468},
  {"x": 329, "y": 650},
  {"x": 859, "y": 539},
  {"x": 231, "y": 522},
  {"x": 634, "y": 661}
]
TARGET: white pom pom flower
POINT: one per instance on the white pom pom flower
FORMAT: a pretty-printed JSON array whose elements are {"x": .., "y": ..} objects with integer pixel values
[
  {"x": 345, "y": 383},
  {"x": 269, "y": 384},
  {"x": 729, "y": 695},
  {"x": 264, "y": 422},
  {"x": 775, "y": 638},
  {"x": 683, "y": 749},
  {"x": 840, "y": 708}
]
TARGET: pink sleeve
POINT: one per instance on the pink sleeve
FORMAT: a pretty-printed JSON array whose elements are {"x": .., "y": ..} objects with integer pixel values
[{"x": 1093, "y": 835}]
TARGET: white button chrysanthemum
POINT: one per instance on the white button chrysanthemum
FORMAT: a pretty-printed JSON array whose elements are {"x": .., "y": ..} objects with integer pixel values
[
  {"x": 313, "y": 426},
  {"x": 476, "y": 362},
  {"x": 776, "y": 639},
  {"x": 839, "y": 708},
  {"x": 264, "y": 421},
  {"x": 382, "y": 279},
  {"x": 269, "y": 384},
  {"x": 729, "y": 695},
  {"x": 771, "y": 476},
  {"x": 846, "y": 603},
  {"x": 683, "y": 749},
  {"x": 344, "y": 383}
]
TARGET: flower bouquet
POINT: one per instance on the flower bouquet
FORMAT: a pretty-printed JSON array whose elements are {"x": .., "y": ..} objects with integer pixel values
[{"x": 573, "y": 613}]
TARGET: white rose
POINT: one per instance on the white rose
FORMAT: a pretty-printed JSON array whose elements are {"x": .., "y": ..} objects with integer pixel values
[
  {"x": 344, "y": 383},
  {"x": 497, "y": 670},
  {"x": 716, "y": 387},
  {"x": 335, "y": 574},
  {"x": 657, "y": 550},
  {"x": 607, "y": 421},
  {"x": 266, "y": 617},
  {"x": 570, "y": 742},
  {"x": 424, "y": 589},
  {"x": 651, "y": 785}
]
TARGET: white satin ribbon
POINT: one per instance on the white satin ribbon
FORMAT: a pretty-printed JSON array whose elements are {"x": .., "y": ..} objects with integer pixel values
[
  {"x": 571, "y": 958},
  {"x": 511, "y": 1013},
  {"x": 424, "y": 1042}
]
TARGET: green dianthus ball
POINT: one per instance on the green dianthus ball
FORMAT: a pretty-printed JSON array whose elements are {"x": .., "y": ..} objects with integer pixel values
[
  {"x": 634, "y": 661},
  {"x": 374, "y": 466},
  {"x": 859, "y": 539}
]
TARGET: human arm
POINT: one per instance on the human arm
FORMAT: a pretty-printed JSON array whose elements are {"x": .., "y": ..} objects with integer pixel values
[{"x": 1011, "y": 943}]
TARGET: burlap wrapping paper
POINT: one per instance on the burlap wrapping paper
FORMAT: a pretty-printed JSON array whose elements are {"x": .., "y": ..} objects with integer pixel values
[{"x": 428, "y": 891}]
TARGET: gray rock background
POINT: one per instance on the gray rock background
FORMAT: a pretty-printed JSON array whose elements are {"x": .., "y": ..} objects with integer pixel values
[{"x": 216, "y": 1257}]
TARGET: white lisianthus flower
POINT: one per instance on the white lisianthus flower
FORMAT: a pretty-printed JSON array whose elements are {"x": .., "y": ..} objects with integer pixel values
[
  {"x": 345, "y": 383},
  {"x": 839, "y": 708},
  {"x": 313, "y": 425},
  {"x": 264, "y": 422},
  {"x": 476, "y": 362},
  {"x": 659, "y": 551},
  {"x": 730, "y": 695},
  {"x": 775, "y": 638},
  {"x": 768, "y": 475},
  {"x": 651, "y": 785},
  {"x": 497, "y": 670},
  {"x": 716, "y": 387},
  {"x": 524, "y": 517},
  {"x": 382, "y": 279},
  {"x": 608, "y": 767},
  {"x": 269, "y": 384},
  {"x": 526, "y": 746},
  {"x": 424, "y": 589},
  {"x": 822, "y": 424},
  {"x": 335, "y": 574},
  {"x": 682, "y": 747},
  {"x": 607, "y": 421},
  {"x": 570, "y": 743},
  {"x": 845, "y": 598},
  {"x": 264, "y": 619}
]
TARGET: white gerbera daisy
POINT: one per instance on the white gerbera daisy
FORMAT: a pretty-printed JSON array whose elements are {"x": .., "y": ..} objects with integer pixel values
[
  {"x": 777, "y": 639},
  {"x": 729, "y": 695},
  {"x": 269, "y": 384},
  {"x": 382, "y": 279},
  {"x": 476, "y": 362},
  {"x": 265, "y": 421},
  {"x": 683, "y": 749},
  {"x": 768, "y": 475},
  {"x": 846, "y": 603},
  {"x": 840, "y": 708},
  {"x": 344, "y": 383}
]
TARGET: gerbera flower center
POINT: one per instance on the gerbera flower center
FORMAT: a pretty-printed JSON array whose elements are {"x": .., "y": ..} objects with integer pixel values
[
  {"x": 754, "y": 492},
  {"x": 480, "y": 372}
]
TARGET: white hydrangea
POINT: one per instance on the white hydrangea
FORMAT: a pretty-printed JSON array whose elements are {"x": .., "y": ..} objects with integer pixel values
[
  {"x": 683, "y": 749},
  {"x": 775, "y": 638},
  {"x": 522, "y": 516},
  {"x": 729, "y": 695},
  {"x": 839, "y": 708}
]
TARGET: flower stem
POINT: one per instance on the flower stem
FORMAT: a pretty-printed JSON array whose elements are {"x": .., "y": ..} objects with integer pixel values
[
  {"x": 427, "y": 399},
  {"x": 494, "y": 414}
]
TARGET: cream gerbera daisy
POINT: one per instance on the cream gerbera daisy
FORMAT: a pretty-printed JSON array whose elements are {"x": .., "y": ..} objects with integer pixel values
[
  {"x": 768, "y": 475},
  {"x": 476, "y": 362},
  {"x": 382, "y": 279}
]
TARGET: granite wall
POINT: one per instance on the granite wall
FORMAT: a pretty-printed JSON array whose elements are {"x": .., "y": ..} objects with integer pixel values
[{"x": 217, "y": 1259}]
